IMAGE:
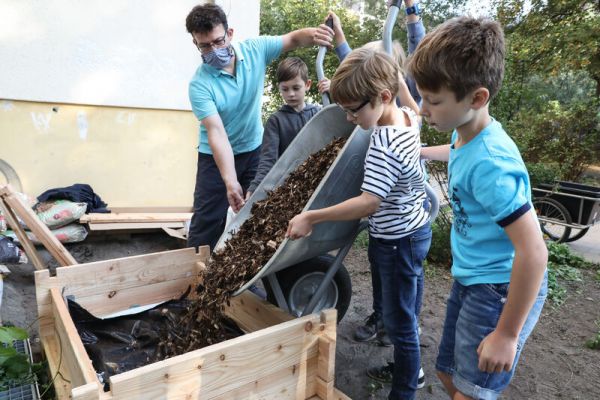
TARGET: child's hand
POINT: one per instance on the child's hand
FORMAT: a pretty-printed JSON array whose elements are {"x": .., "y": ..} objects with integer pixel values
[
  {"x": 299, "y": 226},
  {"x": 337, "y": 24},
  {"x": 248, "y": 194},
  {"x": 323, "y": 85},
  {"x": 497, "y": 352}
]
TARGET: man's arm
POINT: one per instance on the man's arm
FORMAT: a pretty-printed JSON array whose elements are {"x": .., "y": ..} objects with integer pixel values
[
  {"x": 223, "y": 155},
  {"x": 497, "y": 350},
  {"x": 320, "y": 36},
  {"x": 436, "y": 153},
  {"x": 354, "y": 208}
]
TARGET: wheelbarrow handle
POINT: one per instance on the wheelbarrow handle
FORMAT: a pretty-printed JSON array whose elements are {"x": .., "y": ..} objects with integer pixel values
[{"x": 319, "y": 66}]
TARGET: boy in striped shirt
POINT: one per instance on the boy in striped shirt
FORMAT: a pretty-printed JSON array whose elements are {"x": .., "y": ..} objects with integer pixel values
[{"x": 393, "y": 197}]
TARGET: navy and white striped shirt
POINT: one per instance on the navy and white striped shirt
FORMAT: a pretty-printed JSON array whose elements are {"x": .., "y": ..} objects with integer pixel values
[{"x": 393, "y": 173}]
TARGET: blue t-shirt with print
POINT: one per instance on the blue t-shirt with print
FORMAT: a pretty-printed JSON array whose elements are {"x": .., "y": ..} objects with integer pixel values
[
  {"x": 236, "y": 98},
  {"x": 489, "y": 188}
]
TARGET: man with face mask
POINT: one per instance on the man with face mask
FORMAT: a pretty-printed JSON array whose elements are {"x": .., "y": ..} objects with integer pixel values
[{"x": 226, "y": 96}]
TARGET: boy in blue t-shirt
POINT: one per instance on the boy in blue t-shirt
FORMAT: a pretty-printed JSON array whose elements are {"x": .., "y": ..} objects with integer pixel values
[
  {"x": 393, "y": 196},
  {"x": 499, "y": 255}
]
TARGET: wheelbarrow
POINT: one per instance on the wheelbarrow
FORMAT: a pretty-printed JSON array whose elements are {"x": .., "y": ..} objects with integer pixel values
[
  {"x": 566, "y": 210},
  {"x": 302, "y": 277}
]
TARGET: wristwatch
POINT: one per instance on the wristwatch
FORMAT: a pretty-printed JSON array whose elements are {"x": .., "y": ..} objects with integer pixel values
[{"x": 413, "y": 10}]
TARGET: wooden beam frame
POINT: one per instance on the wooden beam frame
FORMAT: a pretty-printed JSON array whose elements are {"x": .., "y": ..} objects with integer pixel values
[{"x": 279, "y": 358}]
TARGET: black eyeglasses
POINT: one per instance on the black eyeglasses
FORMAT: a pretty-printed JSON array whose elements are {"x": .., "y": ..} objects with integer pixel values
[
  {"x": 206, "y": 47},
  {"x": 354, "y": 111}
]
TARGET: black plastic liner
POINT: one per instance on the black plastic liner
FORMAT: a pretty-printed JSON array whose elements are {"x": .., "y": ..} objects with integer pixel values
[{"x": 116, "y": 345}]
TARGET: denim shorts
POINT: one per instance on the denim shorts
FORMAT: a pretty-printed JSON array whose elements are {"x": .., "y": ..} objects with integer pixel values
[{"x": 472, "y": 314}]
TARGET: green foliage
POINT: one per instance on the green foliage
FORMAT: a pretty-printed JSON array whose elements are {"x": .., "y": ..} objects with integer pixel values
[
  {"x": 554, "y": 35},
  {"x": 563, "y": 266},
  {"x": 594, "y": 343},
  {"x": 566, "y": 136},
  {"x": 362, "y": 240},
  {"x": 439, "y": 252},
  {"x": 278, "y": 17},
  {"x": 542, "y": 173},
  {"x": 15, "y": 369}
]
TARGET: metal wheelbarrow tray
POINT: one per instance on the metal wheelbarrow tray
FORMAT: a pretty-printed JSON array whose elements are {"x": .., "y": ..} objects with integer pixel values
[{"x": 341, "y": 182}]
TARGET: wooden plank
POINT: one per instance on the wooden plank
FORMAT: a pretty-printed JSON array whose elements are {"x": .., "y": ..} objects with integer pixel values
[
  {"x": 99, "y": 218},
  {"x": 251, "y": 313},
  {"x": 117, "y": 300},
  {"x": 285, "y": 384},
  {"x": 324, "y": 389},
  {"x": 91, "y": 391},
  {"x": 327, "y": 342},
  {"x": 59, "y": 372},
  {"x": 28, "y": 246},
  {"x": 225, "y": 366},
  {"x": 326, "y": 357},
  {"x": 104, "y": 277},
  {"x": 151, "y": 209},
  {"x": 337, "y": 395},
  {"x": 120, "y": 226},
  {"x": 58, "y": 251},
  {"x": 72, "y": 351}
]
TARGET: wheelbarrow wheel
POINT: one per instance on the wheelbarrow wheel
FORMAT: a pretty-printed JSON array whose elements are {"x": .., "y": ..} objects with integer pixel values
[
  {"x": 552, "y": 210},
  {"x": 577, "y": 235},
  {"x": 299, "y": 282}
]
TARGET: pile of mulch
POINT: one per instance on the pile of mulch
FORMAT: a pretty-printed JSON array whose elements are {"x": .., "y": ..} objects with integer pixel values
[{"x": 244, "y": 254}]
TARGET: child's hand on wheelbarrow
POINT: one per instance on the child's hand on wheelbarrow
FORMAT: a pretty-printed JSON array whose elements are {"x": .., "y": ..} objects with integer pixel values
[{"x": 299, "y": 226}]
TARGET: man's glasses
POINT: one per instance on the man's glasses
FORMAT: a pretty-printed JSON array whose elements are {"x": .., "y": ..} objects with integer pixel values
[
  {"x": 206, "y": 47},
  {"x": 354, "y": 111}
]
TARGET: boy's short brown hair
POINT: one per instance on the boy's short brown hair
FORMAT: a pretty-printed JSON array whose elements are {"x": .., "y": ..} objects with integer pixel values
[
  {"x": 363, "y": 75},
  {"x": 461, "y": 55},
  {"x": 290, "y": 68}
]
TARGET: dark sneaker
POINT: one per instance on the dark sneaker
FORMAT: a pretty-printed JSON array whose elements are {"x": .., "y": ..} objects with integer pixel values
[
  {"x": 383, "y": 338},
  {"x": 384, "y": 374},
  {"x": 369, "y": 330}
]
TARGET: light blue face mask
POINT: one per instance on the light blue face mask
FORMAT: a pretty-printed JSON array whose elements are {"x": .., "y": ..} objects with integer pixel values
[{"x": 218, "y": 58}]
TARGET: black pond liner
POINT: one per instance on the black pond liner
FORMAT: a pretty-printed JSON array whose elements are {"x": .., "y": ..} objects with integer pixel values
[{"x": 120, "y": 344}]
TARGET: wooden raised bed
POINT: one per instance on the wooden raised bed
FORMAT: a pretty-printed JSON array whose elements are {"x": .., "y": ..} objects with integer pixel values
[{"x": 279, "y": 357}]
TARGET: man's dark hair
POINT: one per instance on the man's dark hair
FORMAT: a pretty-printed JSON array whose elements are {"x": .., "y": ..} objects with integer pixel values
[
  {"x": 204, "y": 18},
  {"x": 290, "y": 68},
  {"x": 461, "y": 55}
]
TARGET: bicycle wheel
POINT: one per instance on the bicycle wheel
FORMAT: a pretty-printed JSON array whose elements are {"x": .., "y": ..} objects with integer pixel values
[
  {"x": 577, "y": 235},
  {"x": 555, "y": 216}
]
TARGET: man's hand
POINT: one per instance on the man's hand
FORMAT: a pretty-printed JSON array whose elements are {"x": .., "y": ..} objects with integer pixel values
[
  {"x": 299, "y": 226},
  {"x": 323, "y": 85},
  {"x": 235, "y": 196},
  {"x": 248, "y": 194},
  {"x": 323, "y": 36},
  {"x": 497, "y": 352}
]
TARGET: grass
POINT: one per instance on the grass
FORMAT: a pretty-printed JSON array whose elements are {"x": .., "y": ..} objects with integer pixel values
[
  {"x": 594, "y": 343},
  {"x": 362, "y": 240},
  {"x": 564, "y": 266}
]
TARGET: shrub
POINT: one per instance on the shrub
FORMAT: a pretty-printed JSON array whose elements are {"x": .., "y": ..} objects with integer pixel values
[{"x": 566, "y": 136}]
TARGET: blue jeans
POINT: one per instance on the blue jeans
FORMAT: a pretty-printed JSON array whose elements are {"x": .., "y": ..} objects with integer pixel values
[
  {"x": 473, "y": 313},
  {"x": 399, "y": 264}
]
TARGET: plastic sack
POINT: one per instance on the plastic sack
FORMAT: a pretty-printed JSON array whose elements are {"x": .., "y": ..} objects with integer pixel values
[
  {"x": 120, "y": 344},
  {"x": 72, "y": 233},
  {"x": 57, "y": 213},
  {"x": 10, "y": 253}
]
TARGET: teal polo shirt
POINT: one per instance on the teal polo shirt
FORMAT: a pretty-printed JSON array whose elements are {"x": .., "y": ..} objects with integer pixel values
[{"x": 237, "y": 99}]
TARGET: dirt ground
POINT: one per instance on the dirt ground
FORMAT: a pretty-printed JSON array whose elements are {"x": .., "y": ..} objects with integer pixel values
[{"x": 554, "y": 365}]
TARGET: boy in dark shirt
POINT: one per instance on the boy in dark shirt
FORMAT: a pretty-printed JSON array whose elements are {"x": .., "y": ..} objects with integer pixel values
[{"x": 283, "y": 126}]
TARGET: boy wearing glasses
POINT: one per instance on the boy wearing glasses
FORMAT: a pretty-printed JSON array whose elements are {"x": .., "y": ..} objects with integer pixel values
[
  {"x": 366, "y": 85},
  {"x": 226, "y": 95}
]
